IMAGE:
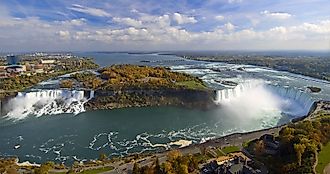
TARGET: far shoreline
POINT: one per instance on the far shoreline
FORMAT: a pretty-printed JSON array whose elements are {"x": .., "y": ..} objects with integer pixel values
[{"x": 313, "y": 78}]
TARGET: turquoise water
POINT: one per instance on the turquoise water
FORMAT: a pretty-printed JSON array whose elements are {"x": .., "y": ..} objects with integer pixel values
[{"x": 65, "y": 137}]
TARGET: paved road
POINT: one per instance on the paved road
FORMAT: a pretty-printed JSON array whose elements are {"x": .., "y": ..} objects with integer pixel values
[{"x": 327, "y": 169}]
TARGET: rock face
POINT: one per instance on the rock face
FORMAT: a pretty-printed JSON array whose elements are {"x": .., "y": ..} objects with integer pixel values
[
  {"x": 314, "y": 89},
  {"x": 4, "y": 100},
  {"x": 140, "y": 98}
]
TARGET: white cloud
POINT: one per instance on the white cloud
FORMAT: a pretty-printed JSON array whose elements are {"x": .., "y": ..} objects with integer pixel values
[
  {"x": 64, "y": 34},
  {"x": 74, "y": 22},
  {"x": 229, "y": 26},
  {"x": 276, "y": 15},
  {"x": 183, "y": 19},
  {"x": 234, "y": 1},
  {"x": 155, "y": 21},
  {"x": 219, "y": 18},
  {"x": 155, "y": 32},
  {"x": 88, "y": 10},
  {"x": 322, "y": 28},
  {"x": 128, "y": 21},
  {"x": 78, "y": 22}
]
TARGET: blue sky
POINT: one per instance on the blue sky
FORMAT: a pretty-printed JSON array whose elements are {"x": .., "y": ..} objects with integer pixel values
[{"x": 119, "y": 25}]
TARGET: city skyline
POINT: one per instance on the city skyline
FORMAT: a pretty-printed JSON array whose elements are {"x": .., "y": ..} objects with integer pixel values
[{"x": 33, "y": 25}]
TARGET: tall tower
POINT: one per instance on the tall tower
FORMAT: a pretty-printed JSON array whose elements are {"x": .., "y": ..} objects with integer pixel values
[{"x": 12, "y": 60}]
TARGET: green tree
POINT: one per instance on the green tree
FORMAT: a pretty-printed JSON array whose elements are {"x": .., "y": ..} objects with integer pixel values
[
  {"x": 136, "y": 169},
  {"x": 299, "y": 149},
  {"x": 103, "y": 157},
  {"x": 44, "y": 168},
  {"x": 157, "y": 167},
  {"x": 66, "y": 84},
  {"x": 182, "y": 169}
]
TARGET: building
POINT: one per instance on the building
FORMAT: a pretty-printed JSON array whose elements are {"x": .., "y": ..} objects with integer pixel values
[
  {"x": 271, "y": 145},
  {"x": 39, "y": 68},
  {"x": 233, "y": 165},
  {"x": 15, "y": 69},
  {"x": 47, "y": 61},
  {"x": 12, "y": 60}
]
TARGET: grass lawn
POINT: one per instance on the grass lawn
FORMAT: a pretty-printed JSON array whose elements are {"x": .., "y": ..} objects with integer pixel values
[
  {"x": 230, "y": 149},
  {"x": 95, "y": 171},
  {"x": 323, "y": 158},
  {"x": 201, "y": 158},
  {"x": 219, "y": 152},
  {"x": 191, "y": 85}
]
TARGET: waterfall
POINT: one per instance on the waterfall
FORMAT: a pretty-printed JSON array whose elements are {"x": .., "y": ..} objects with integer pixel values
[
  {"x": 301, "y": 97},
  {"x": 291, "y": 100},
  {"x": 47, "y": 102},
  {"x": 229, "y": 94}
]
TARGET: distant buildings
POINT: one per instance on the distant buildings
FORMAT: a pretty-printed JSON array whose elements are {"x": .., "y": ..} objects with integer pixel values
[{"x": 37, "y": 63}]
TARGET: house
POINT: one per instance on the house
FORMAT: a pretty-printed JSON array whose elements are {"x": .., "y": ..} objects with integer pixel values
[
  {"x": 234, "y": 165},
  {"x": 39, "y": 68},
  {"x": 271, "y": 145}
]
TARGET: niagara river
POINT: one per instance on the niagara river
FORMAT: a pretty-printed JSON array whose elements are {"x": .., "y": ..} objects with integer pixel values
[{"x": 45, "y": 124}]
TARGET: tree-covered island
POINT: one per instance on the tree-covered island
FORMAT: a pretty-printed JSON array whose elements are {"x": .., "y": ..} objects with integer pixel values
[{"x": 121, "y": 86}]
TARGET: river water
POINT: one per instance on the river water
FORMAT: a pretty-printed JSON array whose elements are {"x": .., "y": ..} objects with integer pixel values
[{"x": 67, "y": 137}]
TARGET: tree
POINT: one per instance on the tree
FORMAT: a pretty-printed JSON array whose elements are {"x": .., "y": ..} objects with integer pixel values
[
  {"x": 43, "y": 169},
  {"x": 299, "y": 149},
  {"x": 136, "y": 169},
  {"x": 66, "y": 84},
  {"x": 103, "y": 157},
  {"x": 259, "y": 147},
  {"x": 173, "y": 155},
  {"x": 157, "y": 167},
  {"x": 182, "y": 169},
  {"x": 193, "y": 164},
  {"x": 168, "y": 169}
]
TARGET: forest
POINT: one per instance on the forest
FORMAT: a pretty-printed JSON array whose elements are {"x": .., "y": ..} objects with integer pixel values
[
  {"x": 121, "y": 77},
  {"x": 300, "y": 144},
  {"x": 175, "y": 163}
]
